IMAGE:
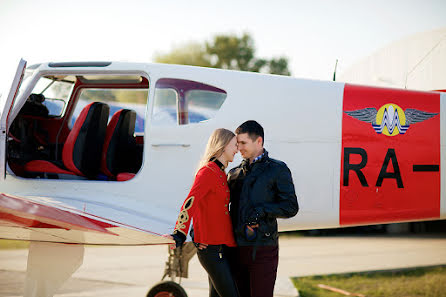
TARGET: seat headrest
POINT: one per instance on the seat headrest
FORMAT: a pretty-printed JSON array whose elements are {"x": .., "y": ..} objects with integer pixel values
[
  {"x": 34, "y": 106},
  {"x": 83, "y": 147},
  {"x": 119, "y": 143},
  {"x": 38, "y": 98}
]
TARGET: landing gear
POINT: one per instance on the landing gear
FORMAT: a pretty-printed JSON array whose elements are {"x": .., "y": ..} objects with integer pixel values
[
  {"x": 177, "y": 265},
  {"x": 167, "y": 289}
]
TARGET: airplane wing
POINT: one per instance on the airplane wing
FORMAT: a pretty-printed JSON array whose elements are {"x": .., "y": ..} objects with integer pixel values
[{"x": 31, "y": 219}]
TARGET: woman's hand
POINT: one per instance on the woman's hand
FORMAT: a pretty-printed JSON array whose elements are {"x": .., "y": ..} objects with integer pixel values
[{"x": 168, "y": 236}]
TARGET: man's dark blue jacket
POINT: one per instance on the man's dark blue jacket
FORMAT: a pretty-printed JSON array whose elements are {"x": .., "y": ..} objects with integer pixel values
[{"x": 261, "y": 192}]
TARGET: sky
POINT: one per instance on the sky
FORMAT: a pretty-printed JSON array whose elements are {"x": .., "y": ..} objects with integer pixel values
[{"x": 312, "y": 34}]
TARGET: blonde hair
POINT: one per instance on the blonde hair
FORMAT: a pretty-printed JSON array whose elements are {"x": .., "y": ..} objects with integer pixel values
[{"x": 217, "y": 142}]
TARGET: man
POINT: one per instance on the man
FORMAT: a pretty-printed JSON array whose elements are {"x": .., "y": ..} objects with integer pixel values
[{"x": 262, "y": 190}]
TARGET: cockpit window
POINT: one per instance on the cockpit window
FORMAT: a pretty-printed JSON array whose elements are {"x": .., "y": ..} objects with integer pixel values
[
  {"x": 182, "y": 102},
  {"x": 116, "y": 99},
  {"x": 56, "y": 94},
  {"x": 203, "y": 105}
]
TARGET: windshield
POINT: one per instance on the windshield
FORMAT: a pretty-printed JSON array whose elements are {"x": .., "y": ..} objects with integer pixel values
[
  {"x": 56, "y": 93},
  {"x": 25, "y": 82}
]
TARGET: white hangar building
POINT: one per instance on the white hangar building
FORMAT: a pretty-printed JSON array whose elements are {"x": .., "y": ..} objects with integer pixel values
[{"x": 416, "y": 62}]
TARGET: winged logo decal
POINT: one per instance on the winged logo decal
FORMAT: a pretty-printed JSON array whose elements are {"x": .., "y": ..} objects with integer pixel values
[{"x": 390, "y": 119}]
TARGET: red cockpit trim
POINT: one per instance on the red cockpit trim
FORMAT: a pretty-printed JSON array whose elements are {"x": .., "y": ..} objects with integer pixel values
[{"x": 125, "y": 176}]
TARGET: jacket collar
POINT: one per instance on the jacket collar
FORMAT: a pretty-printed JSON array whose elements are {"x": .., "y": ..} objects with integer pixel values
[
  {"x": 245, "y": 163},
  {"x": 219, "y": 164}
]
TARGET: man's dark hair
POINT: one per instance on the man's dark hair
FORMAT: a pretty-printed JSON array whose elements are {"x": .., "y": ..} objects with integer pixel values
[{"x": 252, "y": 128}]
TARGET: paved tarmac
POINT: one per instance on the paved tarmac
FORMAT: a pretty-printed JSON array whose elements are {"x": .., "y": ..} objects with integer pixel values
[{"x": 131, "y": 271}]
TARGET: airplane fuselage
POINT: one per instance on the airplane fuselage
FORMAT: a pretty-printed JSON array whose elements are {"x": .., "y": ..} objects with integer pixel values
[{"x": 358, "y": 155}]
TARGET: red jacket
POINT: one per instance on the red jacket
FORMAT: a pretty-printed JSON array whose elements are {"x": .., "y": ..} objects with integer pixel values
[{"x": 208, "y": 205}]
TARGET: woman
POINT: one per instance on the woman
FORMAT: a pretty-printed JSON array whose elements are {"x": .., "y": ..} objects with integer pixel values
[{"x": 207, "y": 204}]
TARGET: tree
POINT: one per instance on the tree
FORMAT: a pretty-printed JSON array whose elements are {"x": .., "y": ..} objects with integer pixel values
[
  {"x": 227, "y": 52},
  {"x": 279, "y": 66},
  {"x": 232, "y": 52},
  {"x": 191, "y": 53}
]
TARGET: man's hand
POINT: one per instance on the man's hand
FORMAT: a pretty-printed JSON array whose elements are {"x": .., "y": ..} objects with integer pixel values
[
  {"x": 251, "y": 227},
  {"x": 250, "y": 231},
  {"x": 255, "y": 217},
  {"x": 201, "y": 246}
]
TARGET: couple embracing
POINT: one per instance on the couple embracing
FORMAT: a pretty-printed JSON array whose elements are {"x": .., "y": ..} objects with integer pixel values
[{"x": 235, "y": 215}]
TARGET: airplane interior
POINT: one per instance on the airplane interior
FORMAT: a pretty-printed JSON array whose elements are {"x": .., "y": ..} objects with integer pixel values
[{"x": 80, "y": 127}]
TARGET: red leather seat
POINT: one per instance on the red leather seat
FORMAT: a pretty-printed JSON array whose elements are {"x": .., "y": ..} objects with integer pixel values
[
  {"x": 118, "y": 152},
  {"x": 81, "y": 154}
]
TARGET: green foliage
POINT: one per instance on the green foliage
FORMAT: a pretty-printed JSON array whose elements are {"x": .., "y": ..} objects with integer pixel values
[
  {"x": 191, "y": 53},
  {"x": 131, "y": 96},
  {"x": 95, "y": 94},
  {"x": 279, "y": 66},
  {"x": 115, "y": 95},
  {"x": 6, "y": 244},
  {"x": 226, "y": 52},
  {"x": 232, "y": 52},
  {"x": 414, "y": 282}
]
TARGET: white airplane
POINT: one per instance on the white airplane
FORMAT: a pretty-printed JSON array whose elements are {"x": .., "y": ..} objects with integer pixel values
[{"x": 71, "y": 176}]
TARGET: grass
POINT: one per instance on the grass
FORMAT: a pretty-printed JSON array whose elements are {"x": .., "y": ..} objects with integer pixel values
[
  {"x": 416, "y": 282},
  {"x": 6, "y": 244}
]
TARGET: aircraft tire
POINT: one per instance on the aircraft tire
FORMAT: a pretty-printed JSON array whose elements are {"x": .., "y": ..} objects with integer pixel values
[{"x": 167, "y": 289}]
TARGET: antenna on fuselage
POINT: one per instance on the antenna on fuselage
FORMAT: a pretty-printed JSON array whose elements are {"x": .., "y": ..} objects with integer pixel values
[{"x": 334, "y": 73}]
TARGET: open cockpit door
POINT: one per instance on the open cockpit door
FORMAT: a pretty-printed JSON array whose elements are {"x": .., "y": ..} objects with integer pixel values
[{"x": 6, "y": 107}]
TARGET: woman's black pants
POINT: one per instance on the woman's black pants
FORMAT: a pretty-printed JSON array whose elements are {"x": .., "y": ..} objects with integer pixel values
[{"x": 214, "y": 260}]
